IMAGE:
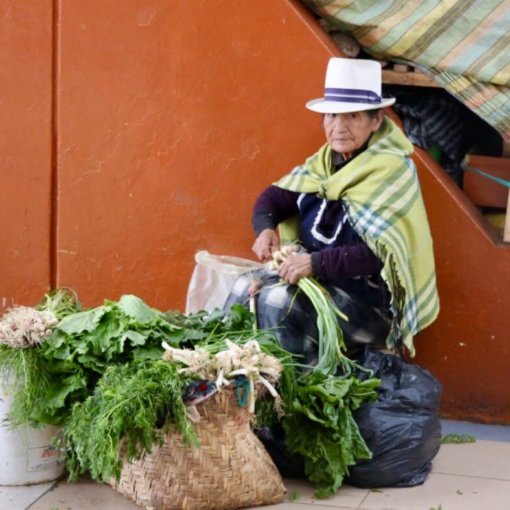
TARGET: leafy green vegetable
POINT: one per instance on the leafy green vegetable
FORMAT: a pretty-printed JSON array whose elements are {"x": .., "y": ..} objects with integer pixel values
[
  {"x": 61, "y": 302},
  {"x": 320, "y": 427},
  {"x": 137, "y": 310},
  {"x": 133, "y": 405},
  {"x": 458, "y": 439},
  {"x": 82, "y": 322},
  {"x": 211, "y": 327},
  {"x": 82, "y": 346},
  {"x": 24, "y": 372},
  {"x": 24, "y": 379},
  {"x": 318, "y": 419}
]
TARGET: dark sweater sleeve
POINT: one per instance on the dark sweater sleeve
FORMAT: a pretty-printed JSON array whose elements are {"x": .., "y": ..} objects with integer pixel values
[
  {"x": 334, "y": 264},
  {"x": 273, "y": 206}
]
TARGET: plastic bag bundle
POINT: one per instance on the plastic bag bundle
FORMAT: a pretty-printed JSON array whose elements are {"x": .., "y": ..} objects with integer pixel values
[
  {"x": 402, "y": 429},
  {"x": 213, "y": 278}
]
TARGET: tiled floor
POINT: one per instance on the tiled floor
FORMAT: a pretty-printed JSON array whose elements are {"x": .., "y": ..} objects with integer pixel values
[{"x": 469, "y": 476}]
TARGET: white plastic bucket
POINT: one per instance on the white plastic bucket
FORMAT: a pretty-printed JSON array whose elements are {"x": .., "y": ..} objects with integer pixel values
[{"x": 28, "y": 456}]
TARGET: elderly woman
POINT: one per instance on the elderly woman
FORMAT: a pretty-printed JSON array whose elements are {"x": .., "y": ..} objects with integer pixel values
[{"x": 360, "y": 218}]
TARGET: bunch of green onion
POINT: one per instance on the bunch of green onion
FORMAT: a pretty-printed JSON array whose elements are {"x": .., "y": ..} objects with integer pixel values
[{"x": 331, "y": 340}]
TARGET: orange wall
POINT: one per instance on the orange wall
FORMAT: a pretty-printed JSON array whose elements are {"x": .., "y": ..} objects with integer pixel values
[
  {"x": 25, "y": 149},
  {"x": 468, "y": 347},
  {"x": 172, "y": 116},
  {"x": 135, "y": 133}
]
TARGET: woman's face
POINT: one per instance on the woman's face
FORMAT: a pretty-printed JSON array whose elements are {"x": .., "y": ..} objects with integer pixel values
[{"x": 348, "y": 132}]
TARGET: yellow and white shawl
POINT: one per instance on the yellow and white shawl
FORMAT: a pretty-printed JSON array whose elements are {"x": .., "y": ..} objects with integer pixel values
[{"x": 381, "y": 195}]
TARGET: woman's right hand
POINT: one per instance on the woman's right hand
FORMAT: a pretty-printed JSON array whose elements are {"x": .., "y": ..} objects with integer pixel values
[{"x": 267, "y": 242}]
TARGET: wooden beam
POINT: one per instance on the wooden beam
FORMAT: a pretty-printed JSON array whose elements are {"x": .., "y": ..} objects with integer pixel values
[
  {"x": 506, "y": 232},
  {"x": 414, "y": 78}
]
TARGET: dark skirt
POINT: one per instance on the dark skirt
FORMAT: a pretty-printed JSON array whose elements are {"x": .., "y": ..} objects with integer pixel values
[{"x": 288, "y": 312}]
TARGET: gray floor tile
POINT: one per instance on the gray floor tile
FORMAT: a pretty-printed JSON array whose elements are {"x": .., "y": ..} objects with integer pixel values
[
  {"x": 302, "y": 492},
  {"x": 448, "y": 492},
  {"x": 484, "y": 459},
  {"x": 84, "y": 495},
  {"x": 20, "y": 497}
]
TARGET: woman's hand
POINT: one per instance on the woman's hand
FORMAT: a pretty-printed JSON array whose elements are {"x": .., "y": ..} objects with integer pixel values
[
  {"x": 267, "y": 242},
  {"x": 295, "y": 267}
]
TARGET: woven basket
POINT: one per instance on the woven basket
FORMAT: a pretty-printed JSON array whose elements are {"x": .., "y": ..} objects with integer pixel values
[{"x": 231, "y": 469}]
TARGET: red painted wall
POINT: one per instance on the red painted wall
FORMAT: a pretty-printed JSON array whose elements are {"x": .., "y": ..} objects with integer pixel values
[
  {"x": 25, "y": 149},
  {"x": 172, "y": 117},
  {"x": 467, "y": 347}
]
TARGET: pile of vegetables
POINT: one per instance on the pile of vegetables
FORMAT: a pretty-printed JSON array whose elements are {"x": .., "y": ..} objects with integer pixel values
[
  {"x": 81, "y": 346},
  {"x": 247, "y": 361},
  {"x": 100, "y": 374},
  {"x": 319, "y": 423},
  {"x": 103, "y": 375}
]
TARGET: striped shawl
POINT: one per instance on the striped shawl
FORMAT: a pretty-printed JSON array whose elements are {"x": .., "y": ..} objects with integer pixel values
[{"x": 380, "y": 192}]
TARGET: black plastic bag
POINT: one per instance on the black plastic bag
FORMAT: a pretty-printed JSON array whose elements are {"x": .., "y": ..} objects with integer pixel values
[
  {"x": 290, "y": 465},
  {"x": 402, "y": 428}
]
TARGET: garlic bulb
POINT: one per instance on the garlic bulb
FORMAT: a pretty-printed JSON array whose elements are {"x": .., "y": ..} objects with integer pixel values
[{"x": 23, "y": 326}]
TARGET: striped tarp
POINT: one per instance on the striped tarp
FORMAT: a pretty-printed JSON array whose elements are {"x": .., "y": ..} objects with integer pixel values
[{"x": 464, "y": 44}]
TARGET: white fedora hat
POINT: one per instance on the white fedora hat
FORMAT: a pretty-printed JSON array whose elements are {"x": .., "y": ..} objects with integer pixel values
[{"x": 352, "y": 85}]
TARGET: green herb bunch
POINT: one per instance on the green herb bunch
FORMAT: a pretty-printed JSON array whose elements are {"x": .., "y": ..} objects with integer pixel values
[
  {"x": 133, "y": 405},
  {"x": 319, "y": 426},
  {"x": 212, "y": 327},
  {"x": 319, "y": 423},
  {"x": 79, "y": 350},
  {"x": 61, "y": 302},
  {"x": 24, "y": 371},
  {"x": 24, "y": 380}
]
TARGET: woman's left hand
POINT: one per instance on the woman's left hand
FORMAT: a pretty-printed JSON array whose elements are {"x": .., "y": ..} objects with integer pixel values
[{"x": 295, "y": 267}]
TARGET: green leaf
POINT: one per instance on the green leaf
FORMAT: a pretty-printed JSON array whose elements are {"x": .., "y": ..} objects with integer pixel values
[
  {"x": 148, "y": 352},
  {"x": 58, "y": 391},
  {"x": 92, "y": 362},
  {"x": 134, "y": 337},
  {"x": 136, "y": 309},
  {"x": 103, "y": 340},
  {"x": 81, "y": 321},
  {"x": 458, "y": 439},
  {"x": 57, "y": 346},
  {"x": 320, "y": 427}
]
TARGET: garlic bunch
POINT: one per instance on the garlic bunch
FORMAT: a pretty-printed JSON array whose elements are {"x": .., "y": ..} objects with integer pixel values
[
  {"x": 23, "y": 326},
  {"x": 247, "y": 360},
  {"x": 198, "y": 361}
]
